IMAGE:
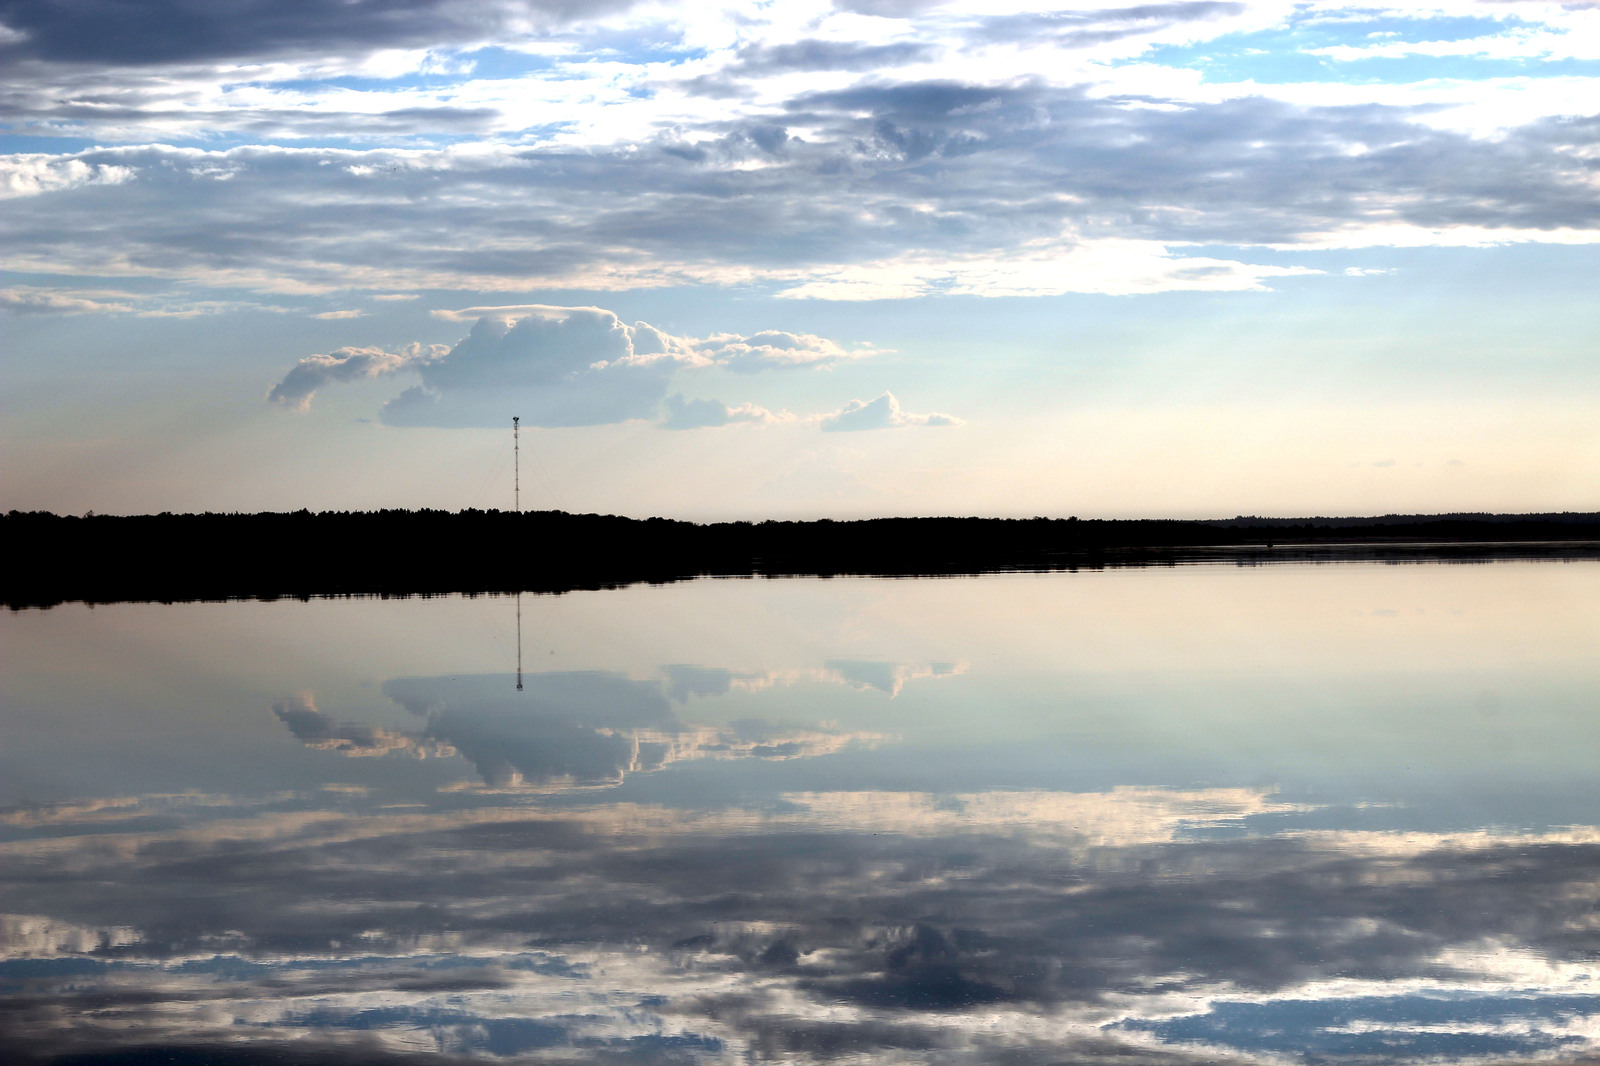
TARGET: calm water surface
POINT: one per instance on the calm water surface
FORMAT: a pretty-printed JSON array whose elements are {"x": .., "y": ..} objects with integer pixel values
[{"x": 1292, "y": 813}]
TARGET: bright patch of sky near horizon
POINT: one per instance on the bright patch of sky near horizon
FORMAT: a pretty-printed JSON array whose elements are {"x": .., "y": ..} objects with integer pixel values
[{"x": 1194, "y": 258}]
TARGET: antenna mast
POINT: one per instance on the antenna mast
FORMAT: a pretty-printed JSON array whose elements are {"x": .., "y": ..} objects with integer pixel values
[{"x": 516, "y": 489}]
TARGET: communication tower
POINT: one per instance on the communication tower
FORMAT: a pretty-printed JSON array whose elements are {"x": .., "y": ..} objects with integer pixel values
[{"x": 516, "y": 496}]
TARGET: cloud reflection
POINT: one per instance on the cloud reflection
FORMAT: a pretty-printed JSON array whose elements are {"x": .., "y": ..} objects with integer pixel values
[
  {"x": 975, "y": 927},
  {"x": 583, "y": 729}
]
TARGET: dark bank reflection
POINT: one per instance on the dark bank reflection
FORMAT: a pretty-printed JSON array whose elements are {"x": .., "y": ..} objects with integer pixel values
[{"x": 701, "y": 863}]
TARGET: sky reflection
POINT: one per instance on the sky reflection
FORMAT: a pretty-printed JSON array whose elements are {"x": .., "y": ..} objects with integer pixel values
[{"x": 815, "y": 821}]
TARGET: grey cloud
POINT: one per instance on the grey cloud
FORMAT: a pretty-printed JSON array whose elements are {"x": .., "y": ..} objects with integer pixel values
[
  {"x": 582, "y": 728},
  {"x": 828, "y": 55},
  {"x": 683, "y": 681},
  {"x": 128, "y": 114},
  {"x": 991, "y": 168},
  {"x": 888, "y": 8},
  {"x": 151, "y": 32},
  {"x": 317, "y": 730},
  {"x": 32, "y": 300},
  {"x": 881, "y": 413},
  {"x": 774, "y": 350},
  {"x": 1070, "y": 29},
  {"x": 1377, "y": 1028},
  {"x": 886, "y": 676},
  {"x": 576, "y": 370},
  {"x": 535, "y": 351},
  {"x": 706, "y": 414},
  {"x": 597, "y": 399}
]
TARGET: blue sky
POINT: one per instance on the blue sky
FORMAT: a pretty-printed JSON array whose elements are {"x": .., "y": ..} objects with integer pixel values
[{"x": 843, "y": 258}]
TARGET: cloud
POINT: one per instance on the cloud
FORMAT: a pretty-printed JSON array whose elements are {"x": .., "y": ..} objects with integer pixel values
[
  {"x": 316, "y": 730},
  {"x": 345, "y": 364},
  {"x": 510, "y": 312},
  {"x": 1090, "y": 27},
  {"x": 38, "y": 299},
  {"x": 28, "y": 299},
  {"x": 887, "y": 677},
  {"x": 559, "y": 366},
  {"x": 1044, "y": 267},
  {"x": 1098, "y": 927},
  {"x": 702, "y": 414},
  {"x": 879, "y": 191},
  {"x": 328, "y": 316},
  {"x": 24, "y": 936},
  {"x": 878, "y": 150},
  {"x": 775, "y": 350},
  {"x": 156, "y": 32},
  {"x": 813, "y": 54},
  {"x": 560, "y": 730},
  {"x": 579, "y": 368},
  {"x": 880, "y": 413},
  {"x": 31, "y": 175}
]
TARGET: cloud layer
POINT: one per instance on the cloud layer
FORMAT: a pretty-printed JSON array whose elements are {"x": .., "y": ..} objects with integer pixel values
[{"x": 851, "y": 152}]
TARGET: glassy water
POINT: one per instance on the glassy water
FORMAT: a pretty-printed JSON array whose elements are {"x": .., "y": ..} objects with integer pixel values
[{"x": 1291, "y": 813}]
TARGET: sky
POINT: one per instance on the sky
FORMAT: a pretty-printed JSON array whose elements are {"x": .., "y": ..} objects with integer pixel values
[{"x": 801, "y": 259}]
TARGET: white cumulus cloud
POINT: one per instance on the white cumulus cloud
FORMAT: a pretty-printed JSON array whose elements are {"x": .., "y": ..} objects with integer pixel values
[
  {"x": 560, "y": 366},
  {"x": 30, "y": 175},
  {"x": 883, "y": 412},
  {"x": 346, "y": 364}
]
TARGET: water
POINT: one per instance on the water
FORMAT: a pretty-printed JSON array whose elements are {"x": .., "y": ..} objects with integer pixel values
[{"x": 1291, "y": 813}]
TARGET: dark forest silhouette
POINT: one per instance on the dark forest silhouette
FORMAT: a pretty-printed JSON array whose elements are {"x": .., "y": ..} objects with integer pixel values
[{"x": 171, "y": 557}]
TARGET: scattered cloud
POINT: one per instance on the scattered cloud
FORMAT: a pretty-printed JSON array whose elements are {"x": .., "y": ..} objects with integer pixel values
[
  {"x": 775, "y": 350},
  {"x": 33, "y": 300},
  {"x": 704, "y": 414},
  {"x": 881, "y": 413},
  {"x": 334, "y": 315}
]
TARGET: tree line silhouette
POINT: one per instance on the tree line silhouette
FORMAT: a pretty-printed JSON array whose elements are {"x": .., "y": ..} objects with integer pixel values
[{"x": 214, "y": 556}]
